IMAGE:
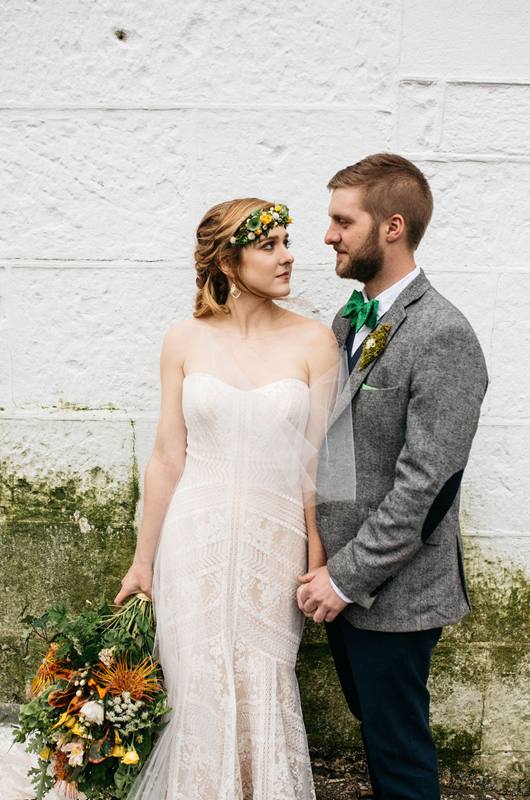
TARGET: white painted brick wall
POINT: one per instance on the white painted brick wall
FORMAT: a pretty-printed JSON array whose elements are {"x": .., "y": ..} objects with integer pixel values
[{"x": 111, "y": 149}]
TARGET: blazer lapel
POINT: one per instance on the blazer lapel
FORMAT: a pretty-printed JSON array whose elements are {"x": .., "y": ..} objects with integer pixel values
[
  {"x": 394, "y": 317},
  {"x": 341, "y": 328}
]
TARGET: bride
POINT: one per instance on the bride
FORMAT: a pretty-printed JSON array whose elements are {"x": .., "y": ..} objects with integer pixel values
[{"x": 246, "y": 388}]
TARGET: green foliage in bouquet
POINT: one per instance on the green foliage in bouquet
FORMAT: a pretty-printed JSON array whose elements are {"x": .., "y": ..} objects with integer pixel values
[{"x": 97, "y": 700}]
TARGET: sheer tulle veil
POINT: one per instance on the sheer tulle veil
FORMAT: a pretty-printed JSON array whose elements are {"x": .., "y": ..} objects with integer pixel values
[{"x": 290, "y": 454}]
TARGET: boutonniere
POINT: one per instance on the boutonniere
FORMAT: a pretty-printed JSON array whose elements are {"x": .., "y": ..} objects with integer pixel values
[{"x": 374, "y": 345}]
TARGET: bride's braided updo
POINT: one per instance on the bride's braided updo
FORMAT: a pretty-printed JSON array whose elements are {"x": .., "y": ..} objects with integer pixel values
[{"x": 213, "y": 247}]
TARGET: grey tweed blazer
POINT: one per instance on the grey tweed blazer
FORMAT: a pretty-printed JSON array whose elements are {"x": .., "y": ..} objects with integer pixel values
[{"x": 397, "y": 550}]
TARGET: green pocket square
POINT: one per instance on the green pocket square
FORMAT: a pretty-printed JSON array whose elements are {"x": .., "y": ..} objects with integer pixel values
[{"x": 370, "y": 388}]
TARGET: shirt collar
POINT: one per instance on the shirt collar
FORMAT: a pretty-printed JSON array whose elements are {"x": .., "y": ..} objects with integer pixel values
[{"x": 387, "y": 298}]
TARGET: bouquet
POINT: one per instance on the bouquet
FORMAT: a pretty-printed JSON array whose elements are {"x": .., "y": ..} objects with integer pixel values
[{"x": 96, "y": 700}]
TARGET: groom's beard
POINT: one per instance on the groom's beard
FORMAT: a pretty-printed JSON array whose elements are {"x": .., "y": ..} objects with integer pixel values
[{"x": 366, "y": 262}]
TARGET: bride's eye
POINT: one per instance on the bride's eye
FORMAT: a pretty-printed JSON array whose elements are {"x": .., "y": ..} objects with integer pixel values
[{"x": 287, "y": 243}]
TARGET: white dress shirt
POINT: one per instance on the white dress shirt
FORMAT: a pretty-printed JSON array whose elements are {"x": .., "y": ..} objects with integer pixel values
[{"x": 386, "y": 300}]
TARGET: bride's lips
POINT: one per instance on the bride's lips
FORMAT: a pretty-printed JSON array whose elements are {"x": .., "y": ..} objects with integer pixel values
[{"x": 284, "y": 275}]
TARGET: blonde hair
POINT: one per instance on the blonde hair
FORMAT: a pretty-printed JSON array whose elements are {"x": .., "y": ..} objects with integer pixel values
[{"x": 213, "y": 247}]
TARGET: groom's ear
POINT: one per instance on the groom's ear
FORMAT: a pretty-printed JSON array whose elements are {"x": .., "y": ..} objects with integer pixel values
[{"x": 394, "y": 228}]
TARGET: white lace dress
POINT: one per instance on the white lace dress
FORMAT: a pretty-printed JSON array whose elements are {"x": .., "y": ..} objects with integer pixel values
[{"x": 232, "y": 547}]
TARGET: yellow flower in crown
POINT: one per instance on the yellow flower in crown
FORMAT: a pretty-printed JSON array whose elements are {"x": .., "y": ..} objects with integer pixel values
[{"x": 260, "y": 223}]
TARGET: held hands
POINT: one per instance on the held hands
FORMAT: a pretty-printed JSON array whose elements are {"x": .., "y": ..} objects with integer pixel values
[
  {"x": 138, "y": 579},
  {"x": 317, "y": 598}
]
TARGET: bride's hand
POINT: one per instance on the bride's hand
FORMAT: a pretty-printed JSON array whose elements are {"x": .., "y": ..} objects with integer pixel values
[{"x": 138, "y": 579}]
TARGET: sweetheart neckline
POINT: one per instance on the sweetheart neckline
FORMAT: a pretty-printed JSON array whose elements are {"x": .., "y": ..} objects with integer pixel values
[{"x": 256, "y": 388}]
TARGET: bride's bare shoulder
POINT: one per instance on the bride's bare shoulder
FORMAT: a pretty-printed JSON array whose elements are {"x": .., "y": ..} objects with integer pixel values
[
  {"x": 183, "y": 335},
  {"x": 313, "y": 331}
]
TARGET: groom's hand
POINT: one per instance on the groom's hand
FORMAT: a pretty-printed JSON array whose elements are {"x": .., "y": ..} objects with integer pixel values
[{"x": 317, "y": 598}]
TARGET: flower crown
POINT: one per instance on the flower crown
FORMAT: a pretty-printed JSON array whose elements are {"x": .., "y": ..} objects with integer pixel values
[{"x": 260, "y": 223}]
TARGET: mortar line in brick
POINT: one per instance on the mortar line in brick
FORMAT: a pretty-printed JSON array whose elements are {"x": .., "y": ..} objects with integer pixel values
[
  {"x": 9, "y": 309},
  {"x": 397, "y": 81},
  {"x": 452, "y": 81},
  {"x": 444, "y": 157},
  {"x": 397, "y": 120},
  {"x": 492, "y": 334},
  {"x": 489, "y": 270},
  {"x": 503, "y": 422},
  {"x": 450, "y": 644},
  {"x": 89, "y": 415},
  {"x": 497, "y": 534},
  {"x": 194, "y": 152},
  {"x": 440, "y": 119},
  {"x": 183, "y": 263},
  {"x": 207, "y": 107},
  {"x": 96, "y": 263},
  {"x": 105, "y": 414}
]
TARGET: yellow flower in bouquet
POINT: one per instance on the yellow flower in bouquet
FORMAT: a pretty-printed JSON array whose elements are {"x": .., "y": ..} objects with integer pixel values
[
  {"x": 97, "y": 695},
  {"x": 130, "y": 757}
]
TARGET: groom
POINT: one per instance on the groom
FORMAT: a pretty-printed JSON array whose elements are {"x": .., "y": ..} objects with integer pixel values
[{"x": 395, "y": 573}]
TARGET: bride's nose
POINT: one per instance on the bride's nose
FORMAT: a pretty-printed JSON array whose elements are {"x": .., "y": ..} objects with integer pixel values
[{"x": 286, "y": 257}]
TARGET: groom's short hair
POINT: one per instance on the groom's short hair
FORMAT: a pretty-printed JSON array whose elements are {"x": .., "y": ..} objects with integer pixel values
[{"x": 391, "y": 185}]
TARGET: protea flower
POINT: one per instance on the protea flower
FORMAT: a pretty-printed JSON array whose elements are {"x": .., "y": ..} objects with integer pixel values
[
  {"x": 121, "y": 677},
  {"x": 61, "y": 770},
  {"x": 49, "y": 672}
]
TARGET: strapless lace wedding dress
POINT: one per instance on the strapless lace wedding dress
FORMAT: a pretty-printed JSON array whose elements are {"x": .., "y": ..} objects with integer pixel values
[{"x": 232, "y": 548}]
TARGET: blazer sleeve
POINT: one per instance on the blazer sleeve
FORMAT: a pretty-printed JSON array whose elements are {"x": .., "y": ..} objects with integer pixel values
[{"x": 448, "y": 383}]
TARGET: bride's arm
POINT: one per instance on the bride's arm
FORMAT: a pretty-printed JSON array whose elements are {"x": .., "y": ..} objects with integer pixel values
[
  {"x": 163, "y": 469},
  {"x": 316, "y": 554},
  {"x": 323, "y": 366}
]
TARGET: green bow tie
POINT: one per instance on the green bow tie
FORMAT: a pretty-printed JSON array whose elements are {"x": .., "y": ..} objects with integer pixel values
[{"x": 361, "y": 312}]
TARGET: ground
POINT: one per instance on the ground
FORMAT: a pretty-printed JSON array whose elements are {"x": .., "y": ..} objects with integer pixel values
[
  {"x": 336, "y": 778},
  {"x": 347, "y": 777}
]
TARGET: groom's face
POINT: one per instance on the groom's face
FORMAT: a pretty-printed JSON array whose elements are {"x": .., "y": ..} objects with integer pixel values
[{"x": 355, "y": 237}]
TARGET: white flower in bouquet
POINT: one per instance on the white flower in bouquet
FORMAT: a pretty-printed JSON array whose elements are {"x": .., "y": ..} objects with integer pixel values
[
  {"x": 106, "y": 656},
  {"x": 93, "y": 712},
  {"x": 76, "y": 750}
]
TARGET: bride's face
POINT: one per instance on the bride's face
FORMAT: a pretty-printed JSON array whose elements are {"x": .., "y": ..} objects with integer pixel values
[{"x": 266, "y": 265}]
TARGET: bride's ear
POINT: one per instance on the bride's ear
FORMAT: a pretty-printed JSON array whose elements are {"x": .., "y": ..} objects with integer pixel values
[{"x": 225, "y": 265}]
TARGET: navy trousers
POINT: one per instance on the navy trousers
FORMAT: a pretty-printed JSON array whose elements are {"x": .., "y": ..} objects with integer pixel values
[{"x": 384, "y": 679}]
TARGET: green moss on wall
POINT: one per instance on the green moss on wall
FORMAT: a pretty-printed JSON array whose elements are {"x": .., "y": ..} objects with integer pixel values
[
  {"x": 500, "y": 595},
  {"x": 67, "y": 537},
  {"x": 329, "y": 723},
  {"x": 71, "y": 537},
  {"x": 479, "y": 684}
]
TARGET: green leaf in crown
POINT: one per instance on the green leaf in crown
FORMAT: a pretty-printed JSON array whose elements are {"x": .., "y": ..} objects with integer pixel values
[
  {"x": 253, "y": 224},
  {"x": 260, "y": 222}
]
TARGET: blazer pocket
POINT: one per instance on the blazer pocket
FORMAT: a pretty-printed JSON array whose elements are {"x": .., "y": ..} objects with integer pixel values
[{"x": 374, "y": 390}]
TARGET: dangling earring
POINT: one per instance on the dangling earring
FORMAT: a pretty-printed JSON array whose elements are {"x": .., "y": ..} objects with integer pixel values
[{"x": 234, "y": 291}]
